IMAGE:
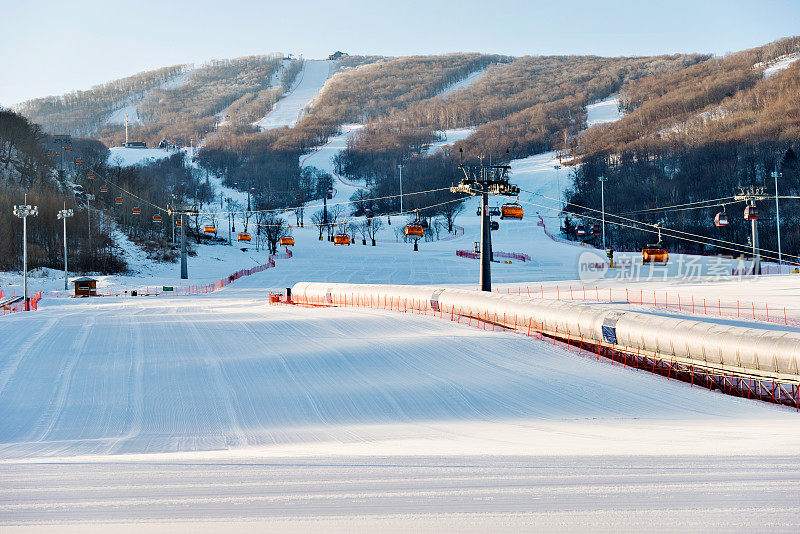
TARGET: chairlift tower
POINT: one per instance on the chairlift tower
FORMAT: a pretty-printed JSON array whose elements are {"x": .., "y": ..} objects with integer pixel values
[
  {"x": 484, "y": 180},
  {"x": 751, "y": 195},
  {"x": 181, "y": 210}
]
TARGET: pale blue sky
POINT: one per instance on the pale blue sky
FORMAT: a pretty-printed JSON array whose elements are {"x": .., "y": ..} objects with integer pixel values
[{"x": 51, "y": 47}]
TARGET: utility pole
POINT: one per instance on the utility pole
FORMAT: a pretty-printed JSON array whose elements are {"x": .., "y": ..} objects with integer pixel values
[
  {"x": 23, "y": 212},
  {"x": 603, "y": 180},
  {"x": 173, "y": 220},
  {"x": 89, "y": 198},
  {"x": 485, "y": 180},
  {"x": 63, "y": 215},
  {"x": 776, "y": 175},
  {"x": 325, "y": 212},
  {"x": 228, "y": 203},
  {"x": 401, "y": 187},
  {"x": 184, "y": 266},
  {"x": 751, "y": 195}
]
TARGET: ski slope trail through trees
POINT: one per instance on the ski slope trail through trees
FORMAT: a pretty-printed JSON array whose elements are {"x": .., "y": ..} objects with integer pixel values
[{"x": 289, "y": 109}]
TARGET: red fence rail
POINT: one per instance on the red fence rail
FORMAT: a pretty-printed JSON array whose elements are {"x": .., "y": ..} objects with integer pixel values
[
  {"x": 32, "y": 305},
  {"x": 784, "y": 392},
  {"x": 511, "y": 255}
]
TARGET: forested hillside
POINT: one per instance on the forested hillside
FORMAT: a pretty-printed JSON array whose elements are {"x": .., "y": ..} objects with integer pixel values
[
  {"x": 86, "y": 112},
  {"x": 29, "y": 160},
  {"x": 696, "y": 135},
  {"x": 180, "y": 104}
]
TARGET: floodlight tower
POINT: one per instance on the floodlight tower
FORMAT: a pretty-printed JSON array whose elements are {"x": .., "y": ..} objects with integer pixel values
[
  {"x": 63, "y": 215},
  {"x": 23, "y": 212},
  {"x": 485, "y": 180}
]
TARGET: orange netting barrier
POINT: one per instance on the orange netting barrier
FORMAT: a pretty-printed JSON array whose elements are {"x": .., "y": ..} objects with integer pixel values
[{"x": 752, "y": 387}]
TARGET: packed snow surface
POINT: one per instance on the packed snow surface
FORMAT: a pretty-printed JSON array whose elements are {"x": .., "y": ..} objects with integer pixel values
[
  {"x": 222, "y": 407},
  {"x": 289, "y": 109},
  {"x": 450, "y": 137},
  {"x": 462, "y": 83},
  {"x": 604, "y": 111},
  {"x": 124, "y": 156}
]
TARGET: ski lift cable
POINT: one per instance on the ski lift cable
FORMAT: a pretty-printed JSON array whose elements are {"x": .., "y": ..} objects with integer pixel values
[
  {"x": 350, "y": 219},
  {"x": 702, "y": 237},
  {"x": 666, "y": 232},
  {"x": 112, "y": 184},
  {"x": 718, "y": 202},
  {"x": 290, "y": 208},
  {"x": 669, "y": 232}
]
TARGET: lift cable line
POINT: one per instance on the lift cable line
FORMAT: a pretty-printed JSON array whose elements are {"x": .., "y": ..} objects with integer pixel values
[
  {"x": 137, "y": 197},
  {"x": 666, "y": 232},
  {"x": 346, "y": 202},
  {"x": 706, "y": 240},
  {"x": 664, "y": 208}
]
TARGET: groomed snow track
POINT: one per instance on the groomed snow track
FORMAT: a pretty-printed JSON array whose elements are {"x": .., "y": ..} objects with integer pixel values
[{"x": 752, "y": 362}]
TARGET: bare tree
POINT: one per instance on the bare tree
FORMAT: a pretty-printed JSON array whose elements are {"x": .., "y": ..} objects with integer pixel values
[
  {"x": 335, "y": 213},
  {"x": 449, "y": 213},
  {"x": 274, "y": 229},
  {"x": 373, "y": 226},
  {"x": 318, "y": 220},
  {"x": 363, "y": 231}
]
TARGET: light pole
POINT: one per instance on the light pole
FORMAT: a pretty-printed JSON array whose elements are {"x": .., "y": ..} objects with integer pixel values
[
  {"x": 173, "y": 220},
  {"x": 184, "y": 267},
  {"x": 23, "y": 212},
  {"x": 401, "y": 187},
  {"x": 63, "y": 215},
  {"x": 603, "y": 180},
  {"x": 776, "y": 175}
]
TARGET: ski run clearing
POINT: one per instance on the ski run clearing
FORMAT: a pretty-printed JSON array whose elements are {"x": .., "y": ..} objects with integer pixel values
[
  {"x": 289, "y": 109},
  {"x": 221, "y": 412}
]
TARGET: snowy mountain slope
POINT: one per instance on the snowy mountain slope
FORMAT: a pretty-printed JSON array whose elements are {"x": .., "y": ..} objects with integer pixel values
[
  {"x": 290, "y": 108},
  {"x": 128, "y": 107},
  {"x": 604, "y": 111},
  {"x": 780, "y": 65},
  {"x": 463, "y": 83}
]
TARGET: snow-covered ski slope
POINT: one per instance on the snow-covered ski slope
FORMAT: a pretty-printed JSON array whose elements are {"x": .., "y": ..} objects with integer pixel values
[
  {"x": 105, "y": 403},
  {"x": 289, "y": 109},
  {"x": 780, "y": 65},
  {"x": 603, "y": 112}
]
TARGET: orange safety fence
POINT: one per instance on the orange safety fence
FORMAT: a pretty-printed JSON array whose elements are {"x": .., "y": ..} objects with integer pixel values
[
  {"x": 20, "y": 305},
  {"x": 673, "y": 301},
  {"x": 776, "y": 391}
]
